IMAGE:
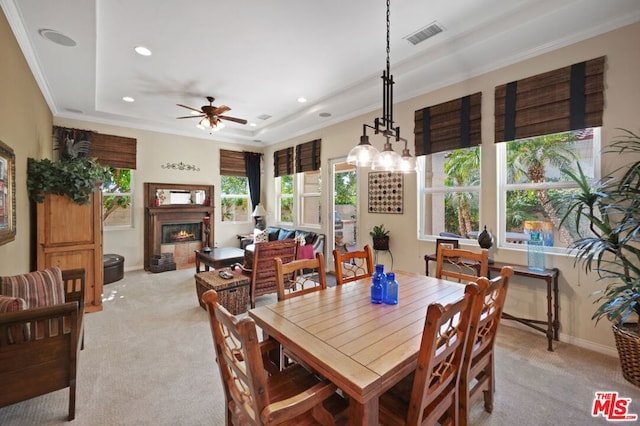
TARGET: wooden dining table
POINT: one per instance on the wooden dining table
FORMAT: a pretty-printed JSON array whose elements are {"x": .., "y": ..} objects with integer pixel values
[{"x": 363, "y": 348}]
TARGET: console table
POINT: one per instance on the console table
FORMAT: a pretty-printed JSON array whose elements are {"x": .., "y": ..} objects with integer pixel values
[
  {"x": 218, "y": 257},
  {"x": 550, "y": 276}
]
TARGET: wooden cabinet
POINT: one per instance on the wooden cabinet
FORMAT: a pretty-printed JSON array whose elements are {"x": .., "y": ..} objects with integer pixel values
[{"x": 69, "y": 235}]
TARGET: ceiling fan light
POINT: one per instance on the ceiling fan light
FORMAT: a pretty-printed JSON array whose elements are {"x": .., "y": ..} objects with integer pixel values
[
  {"x": 205, "y": 122},
  {"x": 200, "y": 126},
  {"x": 362, "y": 155}
]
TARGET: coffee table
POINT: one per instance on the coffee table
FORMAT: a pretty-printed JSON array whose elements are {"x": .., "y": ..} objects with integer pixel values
[{"x": 218, "y": 257}]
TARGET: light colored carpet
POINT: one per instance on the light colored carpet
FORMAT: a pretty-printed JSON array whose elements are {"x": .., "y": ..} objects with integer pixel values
[{"x": 148, "y": 360}]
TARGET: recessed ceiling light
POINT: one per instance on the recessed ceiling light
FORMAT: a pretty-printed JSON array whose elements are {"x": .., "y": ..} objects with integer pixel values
[
  {"x": 57, "y": 37},
  {"x": 252, "y": 124},
  {"x": 128, "y": 99},
  {"x": 141, "y": 50},
  {"x": 302, "y": 100}
]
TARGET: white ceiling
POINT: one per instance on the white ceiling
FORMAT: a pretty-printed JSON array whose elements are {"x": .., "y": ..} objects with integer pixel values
[{"x": 258, "y": 57}]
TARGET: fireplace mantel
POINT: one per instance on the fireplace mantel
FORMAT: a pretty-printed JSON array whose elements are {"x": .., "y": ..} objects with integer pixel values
[{"x": 158, "y": 215}]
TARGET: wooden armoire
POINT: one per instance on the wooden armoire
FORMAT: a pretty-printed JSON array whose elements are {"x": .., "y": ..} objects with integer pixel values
[{"x": 69, "y": 235}]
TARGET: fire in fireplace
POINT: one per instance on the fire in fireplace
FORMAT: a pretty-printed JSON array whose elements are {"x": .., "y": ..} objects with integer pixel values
[{"x": 181, "y": 232}]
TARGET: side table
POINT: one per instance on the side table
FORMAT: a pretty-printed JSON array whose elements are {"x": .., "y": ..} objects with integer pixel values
[{"x": 550, "y": 277}]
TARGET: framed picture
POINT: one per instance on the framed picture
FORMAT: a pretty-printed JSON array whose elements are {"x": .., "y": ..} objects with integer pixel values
[
  {"x": 386, "y": 192},
  {"x": 447, "y": 243},
  {"x": 7, "y": 194}
]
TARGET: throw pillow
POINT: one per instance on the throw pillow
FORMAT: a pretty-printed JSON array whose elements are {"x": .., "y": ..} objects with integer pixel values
[
  {"x": 260, "y": 236},
  {"x": 38, "y": 288},
  {"x": 285, "y": 234},
  {"x": 17, "y": 334}
]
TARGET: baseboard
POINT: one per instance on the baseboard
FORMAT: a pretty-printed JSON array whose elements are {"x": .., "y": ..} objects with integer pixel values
[{"x": 565, "y": 338}]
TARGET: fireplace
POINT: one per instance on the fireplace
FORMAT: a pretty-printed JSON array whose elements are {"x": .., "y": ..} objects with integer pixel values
[{"x": 174, "y": 231}]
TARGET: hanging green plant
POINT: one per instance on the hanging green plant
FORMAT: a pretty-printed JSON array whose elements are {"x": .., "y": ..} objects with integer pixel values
[{"x": 76, "y": 179}]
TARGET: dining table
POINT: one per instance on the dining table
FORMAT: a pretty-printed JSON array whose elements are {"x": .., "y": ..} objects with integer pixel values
[{"x": 362, "y": 347}]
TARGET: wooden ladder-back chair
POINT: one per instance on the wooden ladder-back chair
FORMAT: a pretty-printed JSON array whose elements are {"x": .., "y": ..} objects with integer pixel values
[
  {"x": 300, "y": 277},
  {"x": 478, "y": 367},
  {"x": 263, "y": 271},
  {"x": 255, "y": 397},
  {"x": 430, "y": 393},
  {"x": 460, "y": 265},
  {"x": 353, "y": 265}
]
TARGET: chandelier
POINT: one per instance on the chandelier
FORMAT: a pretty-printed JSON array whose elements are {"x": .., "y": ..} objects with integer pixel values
[
  {"x": 211, "y": 124},
  {"x": 366, "y": 155}
]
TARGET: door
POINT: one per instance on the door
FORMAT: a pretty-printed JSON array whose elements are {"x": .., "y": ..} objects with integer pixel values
[{"x": 344, "y": 205}]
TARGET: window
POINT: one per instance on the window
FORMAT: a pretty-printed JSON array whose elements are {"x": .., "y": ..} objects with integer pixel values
[
  {"x": 234, "y": 199},
  {"x": 298, "y": 195},
  {"x": 116, "y": 199},
  {"x": 284, "y": 197},
  {"x": 532, "y": 185},
  {"x": 450, "y": 193},
  {"x": 310, "y": 198}
]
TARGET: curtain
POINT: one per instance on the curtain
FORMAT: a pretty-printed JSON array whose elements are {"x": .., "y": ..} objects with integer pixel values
[
  {"x": 450, "y": 125},
  {"x": 252, "y": 169},
  {"x": 308, "y": 156},
  {"x": 568, "y": 98}
]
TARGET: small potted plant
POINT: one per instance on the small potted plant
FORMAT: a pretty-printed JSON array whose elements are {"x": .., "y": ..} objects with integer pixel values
[
  {"x": 610, "y": 208},
  {"x": 380, "y": 237}
]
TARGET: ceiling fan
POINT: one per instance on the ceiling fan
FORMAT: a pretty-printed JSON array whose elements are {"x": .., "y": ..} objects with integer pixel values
[{"x": 211, "y": 115}]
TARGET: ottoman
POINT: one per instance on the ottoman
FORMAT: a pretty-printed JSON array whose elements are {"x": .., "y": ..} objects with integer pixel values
[
  {"x": 233, "y": 293},
  {"x": 113, "y": 265}
]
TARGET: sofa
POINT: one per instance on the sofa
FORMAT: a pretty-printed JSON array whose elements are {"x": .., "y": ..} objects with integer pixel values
[
  {"x": 41, "y": 333},
  {"x": 273, "y": 233}
]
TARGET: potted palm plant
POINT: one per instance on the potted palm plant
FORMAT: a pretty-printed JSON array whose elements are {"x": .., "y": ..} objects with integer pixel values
[
  {"x": 380, "y": 237},
  {"x": 610, "y": 209}
]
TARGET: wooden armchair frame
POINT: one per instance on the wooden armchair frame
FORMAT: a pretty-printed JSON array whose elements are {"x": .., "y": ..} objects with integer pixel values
[
  {"x": 461, "y": 266},
  {"x": 48, "y": 360}
]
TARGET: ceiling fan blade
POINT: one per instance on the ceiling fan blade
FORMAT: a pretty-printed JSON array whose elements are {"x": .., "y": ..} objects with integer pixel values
[
  {"x": 191, "y": 116},
  {"x": 237, "y": 120},
  {"x": 221, "y": 109},
  {"x": 192, "y": 109}
]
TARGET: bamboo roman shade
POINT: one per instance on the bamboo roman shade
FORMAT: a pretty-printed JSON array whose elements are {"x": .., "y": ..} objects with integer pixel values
[
  {"x": 232, "y": 163},
  {"x": 283, "y": 162},
  {"x": 450, "y": 125},
  {"x": 568, "y": 98},
  {"x": 113, "y": 151},
  {"x": 308, "y": 156}
]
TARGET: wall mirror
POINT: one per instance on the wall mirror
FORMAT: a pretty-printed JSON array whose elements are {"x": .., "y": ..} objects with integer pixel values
[
  {"x": 171, "y": 194},
  {"x": 7, "y": 194}
]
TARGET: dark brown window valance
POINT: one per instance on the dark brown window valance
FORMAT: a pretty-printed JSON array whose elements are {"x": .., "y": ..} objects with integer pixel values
[
  {"x": 449, "y": 125},
  {"x": 232, "y": 163},
  {"x": 283, "y": 162},
  {"x": 568, "y": 98},
  {"x": 114, "y": 151},
  {"x": 308, "y": 156},
  {"x": 109, "y": 150}
]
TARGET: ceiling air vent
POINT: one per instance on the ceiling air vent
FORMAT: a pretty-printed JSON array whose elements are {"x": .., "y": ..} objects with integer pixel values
[
  {"x": 264, "y": 117},
  {"x": 424, "y": 33}
]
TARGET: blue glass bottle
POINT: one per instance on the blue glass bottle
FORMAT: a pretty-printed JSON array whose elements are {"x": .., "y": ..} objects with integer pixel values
[
  {"x": 391, "y": 296},
  {"x": 378, "y": 285}
]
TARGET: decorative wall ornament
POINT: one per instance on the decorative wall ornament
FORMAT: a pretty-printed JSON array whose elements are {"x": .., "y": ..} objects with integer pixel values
[
  {"x": 386, "y": 192},
  {"x": 181, "y": 166},
  {"x": 7, "y": 194}
]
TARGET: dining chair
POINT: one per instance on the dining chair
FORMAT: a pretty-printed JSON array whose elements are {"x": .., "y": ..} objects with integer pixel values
[
  {"x": 478, "y": 366},
  {"x": 461, "y": 265},
  {"x": 353, "y": 265},
  {"x": 256, "y": 395},
  {"x": 263, "y": 270},
  {"x": 430, "y": 393},
  {"x": 300, "y": 277}
]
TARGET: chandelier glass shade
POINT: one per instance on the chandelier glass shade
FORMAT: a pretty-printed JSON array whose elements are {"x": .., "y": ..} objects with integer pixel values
[
  {"x": 206, "y": 124},
  {"x": 362, "y": 155}
]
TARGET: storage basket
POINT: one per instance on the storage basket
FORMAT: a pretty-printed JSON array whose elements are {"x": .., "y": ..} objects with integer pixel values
[
  {"x": 628, "y": 346},
  {"x": 233, "y": 293}
]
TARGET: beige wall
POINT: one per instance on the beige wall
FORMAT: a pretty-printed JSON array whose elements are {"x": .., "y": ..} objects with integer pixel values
[
  {"x": 154, "y": 150},
  {"x": 25, "y": 125},
  {"x": 526, "y": 297}
]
